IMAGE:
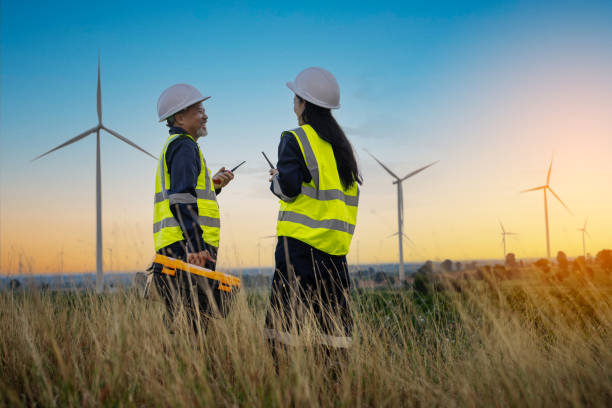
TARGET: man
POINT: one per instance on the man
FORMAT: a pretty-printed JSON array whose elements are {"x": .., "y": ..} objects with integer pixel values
[{"x": 186, "y": 216}]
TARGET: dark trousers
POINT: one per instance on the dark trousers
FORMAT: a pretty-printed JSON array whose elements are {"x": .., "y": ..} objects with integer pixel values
[
  {"x": 197, "y": 295},
  {"x": 191, "y": 293},
  {"x": 308, "y": 282}
]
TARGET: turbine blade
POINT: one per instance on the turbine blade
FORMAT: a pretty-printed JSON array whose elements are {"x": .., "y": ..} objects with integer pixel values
[
  {"x": 408, "y": 238},
  {"x": 418, "y": 171},
  {"x": 128, "y": 141},
  {"x": 511, "y": 233},
  {"x": 533, "y": 189},
  {"x": 502, "y": 227},
  {"x": 561, "y": 201},
  {"x": 549, "y": 170},
  {"x": 403, "y": 234},
  {"x": 383, "y": 166},
  {"x": 99, "y": 94},
  {"x": 74, "y": 139},
  {"x": 587, "y": 233},
  {"x": 585, "y": 222}
]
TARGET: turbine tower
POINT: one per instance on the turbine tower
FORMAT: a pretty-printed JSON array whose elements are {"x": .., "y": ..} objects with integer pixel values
[
  {"x": 96, "y": 129},
  {"x": 504, "y": 233},
  {"x": 400, "y": 209},
  {"x": 544, "y": 188},
  {"x": 584, "y": 231}
]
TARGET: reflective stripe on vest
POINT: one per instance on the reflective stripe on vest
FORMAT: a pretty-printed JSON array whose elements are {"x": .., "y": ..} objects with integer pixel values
[
  {"x": 324, "y": 214},
  {"x": 166, "y": 228}
]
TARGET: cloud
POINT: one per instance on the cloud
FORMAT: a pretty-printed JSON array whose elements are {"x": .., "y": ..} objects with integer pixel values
[{"x": 380, "y": 126}]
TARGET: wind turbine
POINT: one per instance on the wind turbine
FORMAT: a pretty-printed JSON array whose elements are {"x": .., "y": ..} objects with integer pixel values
[
  {"x": 410, "y": 243},
  {"x": 259, "y": 250},
  {"x": 357, "y": 245},
  {"x": 544, "y": 188},
  {"x": 504, "y": 233},
  {"x": 404, "y": 234},
  {"x": 96, "y": 129},
  {"x": 400, "y": 208},
  {"x": 584, "y": 231}
]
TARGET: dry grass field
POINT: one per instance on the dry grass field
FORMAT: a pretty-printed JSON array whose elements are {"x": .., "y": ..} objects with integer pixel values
[{"x": 478, "y": 342}]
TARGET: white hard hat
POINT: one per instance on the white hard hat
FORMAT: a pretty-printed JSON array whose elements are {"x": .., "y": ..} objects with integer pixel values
[
  {"x": 176, "y": 98},
  {"x": 317, "y": 86}
]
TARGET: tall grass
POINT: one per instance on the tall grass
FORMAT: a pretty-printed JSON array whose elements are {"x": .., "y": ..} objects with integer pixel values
[{"x": 480, "y": 343}]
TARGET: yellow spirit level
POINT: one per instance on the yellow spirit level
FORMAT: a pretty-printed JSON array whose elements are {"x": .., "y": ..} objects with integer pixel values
[
  {"x": 213, "y": 291},
  {"x": 217, "y": 280}
]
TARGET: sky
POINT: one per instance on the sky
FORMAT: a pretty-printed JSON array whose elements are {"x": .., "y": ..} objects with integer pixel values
[{"x": 493, "y": 90}]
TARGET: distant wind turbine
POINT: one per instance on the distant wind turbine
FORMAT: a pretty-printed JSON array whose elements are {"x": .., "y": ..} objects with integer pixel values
[
  {"x": 584, "y": 231},
  {"x": 96, "y": 129},
  {"x": 504, "y": 233},
  {"x": 400, "y": 208},
  {"x": 544, "y": 188},
  {"x": 357, "y": 247},
  {"x": 259, "y": 250},
  {"x": 410, "y": 242},
  {"x": 405, "y": 236}
]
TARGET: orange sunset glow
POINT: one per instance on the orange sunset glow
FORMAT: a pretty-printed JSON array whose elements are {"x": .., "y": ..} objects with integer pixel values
[{"x": 494, "y": 105}]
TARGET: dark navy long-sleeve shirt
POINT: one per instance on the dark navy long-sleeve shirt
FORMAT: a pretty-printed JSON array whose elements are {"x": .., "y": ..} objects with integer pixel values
[
  {"x": 183, "y": 161},
  {"x": 292, "y": 169}
]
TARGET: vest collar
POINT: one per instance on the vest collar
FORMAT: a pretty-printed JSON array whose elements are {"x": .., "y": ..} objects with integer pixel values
[{"x": 175, "y": 130}]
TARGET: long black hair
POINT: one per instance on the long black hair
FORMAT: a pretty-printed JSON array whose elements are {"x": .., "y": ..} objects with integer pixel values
[{"x": 327, "y": 128}]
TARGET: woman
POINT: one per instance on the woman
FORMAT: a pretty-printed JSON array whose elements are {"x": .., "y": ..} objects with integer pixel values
[{"x": 317, "y": 181}]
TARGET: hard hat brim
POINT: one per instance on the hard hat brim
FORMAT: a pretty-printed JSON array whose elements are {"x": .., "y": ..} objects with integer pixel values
[
  {"x": 304, "y": 95},
  {"x": 181, "y": 107}
]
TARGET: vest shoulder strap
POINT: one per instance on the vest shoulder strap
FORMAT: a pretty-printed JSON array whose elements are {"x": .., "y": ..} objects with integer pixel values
[{"x": 311, "y": 160}]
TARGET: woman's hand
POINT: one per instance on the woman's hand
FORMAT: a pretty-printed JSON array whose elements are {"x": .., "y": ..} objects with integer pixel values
[
  {"x": 272, "y": 172},
  {"x": 222, "y": 178}
]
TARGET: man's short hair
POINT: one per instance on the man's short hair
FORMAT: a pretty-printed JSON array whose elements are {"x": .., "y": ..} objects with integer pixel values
[{"x": 170, "y": 121}]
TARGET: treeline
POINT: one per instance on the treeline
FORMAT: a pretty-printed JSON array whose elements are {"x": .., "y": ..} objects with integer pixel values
[{"x": 426, "y": 280}]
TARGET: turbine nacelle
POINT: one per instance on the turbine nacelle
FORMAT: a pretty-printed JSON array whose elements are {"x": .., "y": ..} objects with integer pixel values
[
  {"x": 504, "y": 232},
  {"x": 403, "y": 234}
]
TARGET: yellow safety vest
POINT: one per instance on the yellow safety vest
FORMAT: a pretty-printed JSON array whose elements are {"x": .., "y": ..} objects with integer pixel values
[
  {"x": 166, "y": 228},
  {"x": 324, "y": 213}
]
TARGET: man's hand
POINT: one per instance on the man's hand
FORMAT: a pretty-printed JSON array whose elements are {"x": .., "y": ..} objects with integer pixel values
[
  {"x": 222, "y": 178},
  {"x": 200, "y": 258},
  {"x": 272, "y": 172}
]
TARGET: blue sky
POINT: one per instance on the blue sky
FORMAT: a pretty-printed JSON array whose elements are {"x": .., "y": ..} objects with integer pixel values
[{"x": 491, "y": 89}]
